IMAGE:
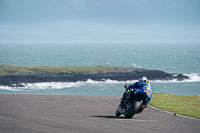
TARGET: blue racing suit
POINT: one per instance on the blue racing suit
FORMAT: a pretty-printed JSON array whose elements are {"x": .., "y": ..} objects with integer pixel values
[{"x": 143, "y": 89}]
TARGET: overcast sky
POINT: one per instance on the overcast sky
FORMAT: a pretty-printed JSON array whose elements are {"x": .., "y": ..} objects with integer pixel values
[{"x": 100, "y": 20}]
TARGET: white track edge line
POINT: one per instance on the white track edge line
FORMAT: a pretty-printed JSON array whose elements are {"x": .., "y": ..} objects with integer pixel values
[{"x": 173, "y": 113}]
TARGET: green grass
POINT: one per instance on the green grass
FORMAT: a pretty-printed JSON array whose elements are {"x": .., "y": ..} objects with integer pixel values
[
  {"x": 183, "y": 105},
  {"x": 25, "y": 70}
]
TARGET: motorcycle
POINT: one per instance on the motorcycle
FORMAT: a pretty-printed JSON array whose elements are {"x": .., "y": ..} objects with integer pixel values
[{"x": 133, "y": 104}]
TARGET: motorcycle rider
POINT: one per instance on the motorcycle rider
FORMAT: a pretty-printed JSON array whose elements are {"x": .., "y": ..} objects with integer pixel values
[{"x": 141, "y": 88}]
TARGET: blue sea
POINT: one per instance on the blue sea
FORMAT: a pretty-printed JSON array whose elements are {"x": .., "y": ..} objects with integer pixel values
[{"x": 169, "y": 57}]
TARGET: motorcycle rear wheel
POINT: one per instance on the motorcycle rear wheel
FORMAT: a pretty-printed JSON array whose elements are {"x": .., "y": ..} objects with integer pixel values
[{"x": 133, "y": 109}]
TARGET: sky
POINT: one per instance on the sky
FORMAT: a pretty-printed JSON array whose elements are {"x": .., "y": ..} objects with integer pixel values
[{"x": 100, "y": 20}]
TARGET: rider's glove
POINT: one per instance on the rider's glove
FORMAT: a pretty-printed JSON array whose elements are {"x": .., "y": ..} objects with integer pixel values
[
  {"x": 134, "y": 91},
  {"x": 126, "y": 86}
]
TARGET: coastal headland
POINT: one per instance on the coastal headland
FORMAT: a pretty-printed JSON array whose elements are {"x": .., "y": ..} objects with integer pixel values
[{"x": 15, "y": 75}]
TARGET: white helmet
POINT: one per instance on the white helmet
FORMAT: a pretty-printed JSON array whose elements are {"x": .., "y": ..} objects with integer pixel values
[{"x": 143, "y": 78}]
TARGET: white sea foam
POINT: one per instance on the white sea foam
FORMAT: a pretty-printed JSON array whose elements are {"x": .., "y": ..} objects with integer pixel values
[
  {"x": 9, "y": 88},
  {"x": 52, "y": 85},
  {"x": 193, "y": 77},
  {"x": 61, "y": 85}
]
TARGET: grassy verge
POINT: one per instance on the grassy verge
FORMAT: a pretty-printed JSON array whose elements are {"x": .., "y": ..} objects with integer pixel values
[
  {"x": 183, "y": 105},
  {"x": 25, "y": 70}
]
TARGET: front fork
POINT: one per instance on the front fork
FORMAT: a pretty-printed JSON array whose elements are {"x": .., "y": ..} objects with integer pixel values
[{"x": 125, "y": 98}]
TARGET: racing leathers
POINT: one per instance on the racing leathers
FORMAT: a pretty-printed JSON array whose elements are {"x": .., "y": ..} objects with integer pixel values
[{"x": 141, "y": 89}]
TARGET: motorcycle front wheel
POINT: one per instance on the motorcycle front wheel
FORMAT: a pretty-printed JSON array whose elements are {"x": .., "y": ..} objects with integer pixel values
[{"x": 118, "y": 113}]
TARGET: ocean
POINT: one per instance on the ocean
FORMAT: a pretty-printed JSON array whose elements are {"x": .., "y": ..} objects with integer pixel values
[{"x": 169, "y": 57}]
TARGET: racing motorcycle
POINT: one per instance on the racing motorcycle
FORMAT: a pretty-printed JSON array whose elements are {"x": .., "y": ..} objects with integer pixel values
[{"x": 133, "y": 104}]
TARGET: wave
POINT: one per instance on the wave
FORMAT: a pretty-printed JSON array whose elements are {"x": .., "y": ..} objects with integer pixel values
[
  {"x": 193, "y": 77},
  {"x": 9, "y": 88},
  {"x": 62, "y": 85}
]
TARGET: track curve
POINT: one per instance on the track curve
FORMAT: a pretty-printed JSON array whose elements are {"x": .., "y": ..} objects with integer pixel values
[{"x": 22, "y": 113}]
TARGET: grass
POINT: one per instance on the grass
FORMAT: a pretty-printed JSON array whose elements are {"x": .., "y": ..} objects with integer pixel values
[
  {"x": 25, "y": 70},
  {"x": 183, "y": 105}
]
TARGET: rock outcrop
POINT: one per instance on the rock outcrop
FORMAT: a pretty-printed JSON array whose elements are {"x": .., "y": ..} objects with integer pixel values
[{"x": 113, "y": 74}]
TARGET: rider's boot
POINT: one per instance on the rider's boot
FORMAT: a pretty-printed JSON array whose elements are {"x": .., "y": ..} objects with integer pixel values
[{"x": 143, "y": 106}]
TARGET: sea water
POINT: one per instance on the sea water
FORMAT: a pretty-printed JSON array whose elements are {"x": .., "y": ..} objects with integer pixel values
[{"x": 169, "y": 57}]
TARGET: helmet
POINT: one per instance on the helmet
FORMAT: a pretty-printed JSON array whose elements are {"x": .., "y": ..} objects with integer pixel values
[{"x": 142, "y": 78}]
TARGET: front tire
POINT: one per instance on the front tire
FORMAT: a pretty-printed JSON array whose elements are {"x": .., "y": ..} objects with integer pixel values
[
  {"x": 118, "y": 113},
  {"x": 133, "y": 109}
]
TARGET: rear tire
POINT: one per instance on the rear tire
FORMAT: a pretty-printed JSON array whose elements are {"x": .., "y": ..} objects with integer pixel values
[
  {"x": 140, "y": 110},
  {"x": 133, "y": 109}
]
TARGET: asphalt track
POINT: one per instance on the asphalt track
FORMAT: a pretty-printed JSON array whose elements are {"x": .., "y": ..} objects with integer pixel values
[{"x": 30, "y": 113}]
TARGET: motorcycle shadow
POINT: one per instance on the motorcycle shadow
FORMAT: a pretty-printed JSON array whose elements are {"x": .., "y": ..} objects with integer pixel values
[{"x": 109, "y": 117}]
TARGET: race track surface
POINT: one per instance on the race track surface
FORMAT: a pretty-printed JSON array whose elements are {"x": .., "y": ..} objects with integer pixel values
[{"x": 30, "y": 113}]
